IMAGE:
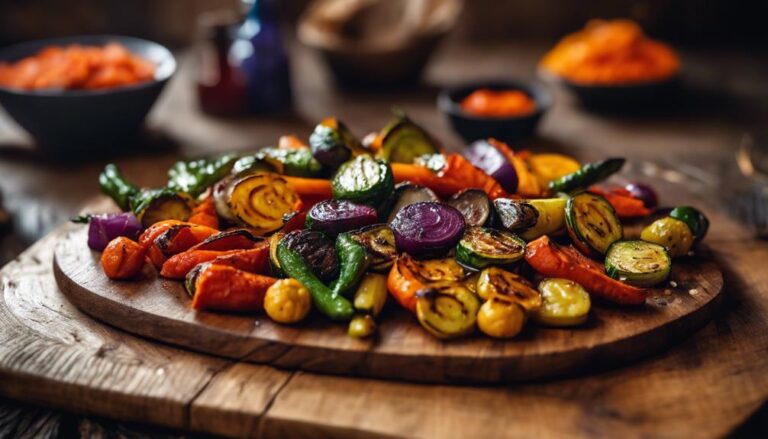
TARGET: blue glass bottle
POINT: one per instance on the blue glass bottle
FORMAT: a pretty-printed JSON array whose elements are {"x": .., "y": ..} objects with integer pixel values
[{"x": 258, "y": 48}]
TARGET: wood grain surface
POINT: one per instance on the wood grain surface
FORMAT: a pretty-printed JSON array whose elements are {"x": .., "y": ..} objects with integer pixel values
[
  {"x": 160, "y": 309},
  {"x": 52, "y": 354}
]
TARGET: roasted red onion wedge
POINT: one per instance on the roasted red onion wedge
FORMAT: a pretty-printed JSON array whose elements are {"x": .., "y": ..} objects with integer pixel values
[
  {"x": 486, "y": 157},
  {"x": 337, "y": 216},
  {"x": 427, "y": 229}
]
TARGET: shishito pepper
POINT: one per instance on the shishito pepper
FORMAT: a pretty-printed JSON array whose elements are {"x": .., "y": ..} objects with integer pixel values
[
  {"x": 117, "y": 187},
  {"x": 195, "y": 176},
  {"x": 325, "y": 299},
  {"x": 353, "y": 262},
  {"x": 149, "y": 205}
]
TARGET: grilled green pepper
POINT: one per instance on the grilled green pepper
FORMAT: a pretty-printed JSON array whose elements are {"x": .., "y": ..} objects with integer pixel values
[
  {"x": 326, "y": 301},
  {"x": 259, "y": 162},
  {"x": 149, "y": 205},
  {"x": 295, "y": 162},
  {"x": 588, "y": 175},
  {"x": 353, "y": 261},
  {"x": 363, "y": 180},
  {"x": 403, "y": 141},
  {"x": 195, "y": 176},
  {"x": 114, "y": 185}
]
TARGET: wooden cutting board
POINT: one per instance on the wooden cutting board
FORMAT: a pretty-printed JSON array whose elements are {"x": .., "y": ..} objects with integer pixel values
[
  {"x": 704, "y": 387},
  {"x": 160, "y": 309}
]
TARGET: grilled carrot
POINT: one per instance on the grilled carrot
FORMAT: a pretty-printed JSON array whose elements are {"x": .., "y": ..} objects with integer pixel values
[
  {"x": 224, "y": 288},
  {"x": 122, "y": 258},
  {"x": 255, "y": 260},
  {"x": 147, "y": 238},
  {"x": 156, "y": 256},
  {"x": 182, "y": 237},
  {"x": 310, "y": 188},
  {"x": 235, "y": 239},
  {"x": 205, "y": 214},
  {"x": 458, "y": 174},
  {"x": 552, "y": 260},
  {"x": 177, "y": 266}
]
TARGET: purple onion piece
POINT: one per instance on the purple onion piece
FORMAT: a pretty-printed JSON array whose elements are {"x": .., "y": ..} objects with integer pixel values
[
  {"x": 337, "y": 216},
  {"x": 105, "y": 228},
  {"x": 486, "y": 157},
  {"x": 427, "y": 229},
  {"x": 644, "y": 193}
]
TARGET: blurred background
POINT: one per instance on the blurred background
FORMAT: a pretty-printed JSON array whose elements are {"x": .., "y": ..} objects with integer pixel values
[
  {"x": 691, "y": 22},
  {"x": 722, "y": 45}
]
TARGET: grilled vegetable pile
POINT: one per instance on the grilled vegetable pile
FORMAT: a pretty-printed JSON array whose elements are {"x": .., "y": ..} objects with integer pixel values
[{"x": 485, "y": 240}]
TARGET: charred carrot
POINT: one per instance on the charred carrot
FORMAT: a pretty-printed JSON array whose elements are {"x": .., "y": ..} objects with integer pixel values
[
  {"x": 156, "y": 256},
  {"x": 254, "y": 260},
  {"x": 416, "y": 174},
  {"x": 234, "y": 239},
  {"x": 178, "y": 266},
  {"x": 552, "y": 260},
  {"x": 314, "y": 188},
  {"x": 122, "y": 258},
  {"x": 147, "y": 238},
  {"x": 205, "y": 214},
  {"x": 224, "y": 288},
  {"x": 458, "y": 174},
  {"x": 182, "y": 237}
]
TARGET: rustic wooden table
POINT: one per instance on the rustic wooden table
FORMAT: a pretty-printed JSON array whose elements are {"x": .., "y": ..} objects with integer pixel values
[{"x": 724, "y": 99}]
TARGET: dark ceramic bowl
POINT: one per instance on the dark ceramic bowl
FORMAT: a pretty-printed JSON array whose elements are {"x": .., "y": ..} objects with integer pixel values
[
  {"x": 618, "y": 97},
  {"x": 507, "y": 129},
  {"x": 86, "y": 121}
]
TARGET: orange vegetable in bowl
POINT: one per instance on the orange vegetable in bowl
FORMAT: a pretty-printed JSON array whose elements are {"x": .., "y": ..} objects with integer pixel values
[
  {"x": 77, "y": 67},
  {"x": 498, "y": 103},
  {"x": 611, "y": 53}
]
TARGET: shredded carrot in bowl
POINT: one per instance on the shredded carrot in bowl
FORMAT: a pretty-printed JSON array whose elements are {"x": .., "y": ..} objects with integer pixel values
[
  {"x": 611, "y": 52},
  {"x": 498, "y": 103},
  {"x": 77, "y": 67}
]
